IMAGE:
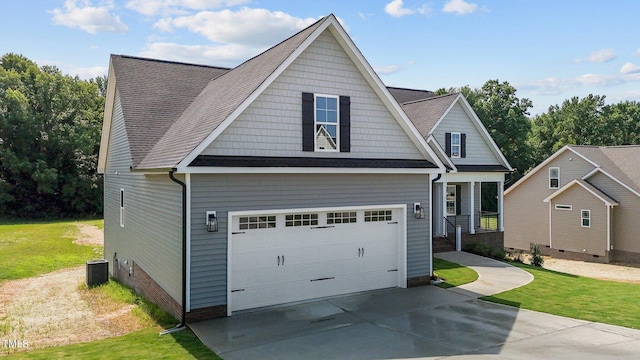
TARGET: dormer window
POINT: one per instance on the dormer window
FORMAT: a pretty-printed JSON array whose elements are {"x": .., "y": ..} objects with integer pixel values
[
  {"x": 456, "y": 145},
  {"x": 326, "y": 123}
]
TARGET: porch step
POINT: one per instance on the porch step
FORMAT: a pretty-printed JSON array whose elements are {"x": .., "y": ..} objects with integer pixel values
[{"x": 441, "y": 244}]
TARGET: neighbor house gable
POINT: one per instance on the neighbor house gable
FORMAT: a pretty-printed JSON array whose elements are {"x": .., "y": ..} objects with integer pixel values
[{"x": 587, "y": 187}]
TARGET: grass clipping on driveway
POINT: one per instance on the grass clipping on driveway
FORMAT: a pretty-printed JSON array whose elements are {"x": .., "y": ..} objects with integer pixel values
[
  {"x": 576, "y": 297},
  {"x": 453, "y": 274}
]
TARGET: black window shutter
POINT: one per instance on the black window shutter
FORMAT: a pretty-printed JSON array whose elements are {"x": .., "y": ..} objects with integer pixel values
[
  {"x": 463, "y": 145},
  {"x": 307, "y": 122},
  {"x": 345, "y": 124},
  {"x": 447, "y": 143},
  {"x": 458, "y": 199}
]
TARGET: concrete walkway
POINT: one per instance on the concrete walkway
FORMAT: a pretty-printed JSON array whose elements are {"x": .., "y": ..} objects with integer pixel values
[
  {"x": 493, "y": 276},
  {"x": 425, "y": 322}
]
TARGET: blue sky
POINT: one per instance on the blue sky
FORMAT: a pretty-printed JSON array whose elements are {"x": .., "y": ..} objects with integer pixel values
[{"x": 549, "y": 50}]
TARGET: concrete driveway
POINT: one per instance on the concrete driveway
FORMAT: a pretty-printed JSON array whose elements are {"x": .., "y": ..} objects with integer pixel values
[{"x": 424, "y": 322}]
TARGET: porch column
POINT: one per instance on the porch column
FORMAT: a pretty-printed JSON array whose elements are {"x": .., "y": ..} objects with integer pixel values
[
  {"x": 501, "y": 206},
  {"x": 472, "y": 193},
  {"x": 443, "y": 214}
]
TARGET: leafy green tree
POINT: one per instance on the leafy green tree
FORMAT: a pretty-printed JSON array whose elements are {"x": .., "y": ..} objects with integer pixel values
[
  {"x": 50, "y": 129},
  {"x": 505, "y": 116},
  {"x": 577, "y": 122}
]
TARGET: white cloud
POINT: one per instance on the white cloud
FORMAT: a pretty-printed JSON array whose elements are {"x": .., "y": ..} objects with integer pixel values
[
  {"x": 219, "y": 55},
  {"x": 637, "y": 53},
  {"x": 460, "y": 7},
  {"x": 395, "y": 8},
  {"x": 556, "y": 85},
  {"x": 629, "y": 68},
  {"x": 256, "y": 27},
  {"x": 424, "y": 10},
  {"x": 166, "y": 7},
  {"x": 163, "y": 25},
  {"x": 600, "y": 56},
  {"x": 92, "y": 19},
  {"x": 87, "y": 73},
  {"x": 386, "y": 69}
]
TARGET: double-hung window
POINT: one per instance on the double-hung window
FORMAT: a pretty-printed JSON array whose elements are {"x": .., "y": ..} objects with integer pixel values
[
  {"x": 586, "y": 217},
  {"x": 455, "y": 145},
  {"x": 451, "y": 200},
  {"x": 554, "y": 177},
  {"x": 327, "y": 123}
]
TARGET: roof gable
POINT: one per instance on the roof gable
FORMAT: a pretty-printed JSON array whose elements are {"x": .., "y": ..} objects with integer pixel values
[
  {"x": 621, "y": 163},
  {"x": 586, "y": 186}
]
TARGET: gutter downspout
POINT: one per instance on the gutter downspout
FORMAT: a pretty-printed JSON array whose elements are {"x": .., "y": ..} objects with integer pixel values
[{"x": 183, "y": 321}]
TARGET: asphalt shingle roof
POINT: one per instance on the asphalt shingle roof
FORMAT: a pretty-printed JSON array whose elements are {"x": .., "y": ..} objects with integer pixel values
[
  {"x": 218, "y": 100},
  {"x": 153, "y": 94},
  {"x": 403, "y": 95},
  {"x": 425, "y": 113},
  {"x": 621, "y": 162}
]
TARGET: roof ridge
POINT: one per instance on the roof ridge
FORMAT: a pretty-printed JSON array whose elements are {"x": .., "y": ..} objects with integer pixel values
[
  {"x": 430, "y": 98},
  {"x": 171, "y": 62}
]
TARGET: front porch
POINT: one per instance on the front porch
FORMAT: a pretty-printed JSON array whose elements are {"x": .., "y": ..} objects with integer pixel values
[{"x": 461, "y": 200}]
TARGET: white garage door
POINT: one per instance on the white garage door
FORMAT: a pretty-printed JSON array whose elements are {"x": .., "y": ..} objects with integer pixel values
[{"x": 283, "y": 256}]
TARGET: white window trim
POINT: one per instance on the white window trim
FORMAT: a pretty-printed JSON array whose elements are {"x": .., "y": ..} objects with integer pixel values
[
  {"x": 315, "y": 123},
  {"x": 121, "y": 200},
  {"x": 550, "y": 178},
  {"x": 459, "y": 145},
  {"x": 564, "y": 207},
  {"x": 582, "y": 218},
  {"x": 455, "y": 202}
]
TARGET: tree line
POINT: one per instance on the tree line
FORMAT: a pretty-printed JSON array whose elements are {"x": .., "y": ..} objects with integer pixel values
[
  {"x": 50, "y": 126},
  {"x": 527, "y": 141}
]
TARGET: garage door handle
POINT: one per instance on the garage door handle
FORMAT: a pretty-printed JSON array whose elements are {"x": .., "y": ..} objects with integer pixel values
[
  {"x": 278, "y": 260},
  {"x": 322, "y": 279},
  {"x": 282, "y": 260},
  {"x": 393, "y": 222}
]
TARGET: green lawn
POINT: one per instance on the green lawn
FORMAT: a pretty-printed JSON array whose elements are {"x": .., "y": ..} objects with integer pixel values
[
  {"x": 576, "y": 297},
  {"x": 142, "y": 344},
  {"x": 31, "y": 249},
  {"x": 453, "y": 274}
]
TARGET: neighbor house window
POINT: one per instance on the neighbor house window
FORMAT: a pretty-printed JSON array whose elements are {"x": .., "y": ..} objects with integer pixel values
[
  {"x": 122, "y": 207},
  {"x": 455, "y": 145},
  {"x": 586, "y": 218},
  {"x": 451, "y": 200},
  {"x": 554, "y": 178},
  {"x": 327, "y": 124}
]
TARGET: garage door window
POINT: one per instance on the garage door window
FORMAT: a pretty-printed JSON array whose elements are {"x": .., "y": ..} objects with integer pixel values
[
  {"x": 257, "y": 222},
  {"x": 341, "y": 217},
  {"x": 378, "y": 215},
  {"x": 301, "y": 220}
]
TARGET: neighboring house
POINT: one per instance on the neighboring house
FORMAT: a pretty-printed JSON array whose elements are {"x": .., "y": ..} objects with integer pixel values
[
  {"x": 581, "y": 203},
  {"x": 475, "y": 164},
  {"x": 294, "y": 176}
]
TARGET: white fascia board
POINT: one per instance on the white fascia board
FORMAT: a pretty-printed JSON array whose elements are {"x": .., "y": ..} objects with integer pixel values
[
  {"x": 432, "y": 140},
  {"x": 304, "y": 170},
  {"x": 544, "y": 164},
  {"x": 251, "y": 98},
  {"x": 483, "y": 130},
  {"x": 472, "y": 176},
  {"x": 106, "y": 122},
  {"x": 596, "y": 170},
  {"x": 316, "y": 209},
  {"x": 574, "y": 182}
]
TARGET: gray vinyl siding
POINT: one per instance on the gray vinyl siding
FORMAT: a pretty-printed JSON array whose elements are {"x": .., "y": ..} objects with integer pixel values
[
  {"x": 567, "y": 232},
  {"x": 238, "y": 192},
  {"x": 151, "y": 236},
  {"x": 625, "y": 224},
  {"x": 272, "y": 124},
  {"x": 478, "y": 150},
  {"x": 526, "y": 216}
]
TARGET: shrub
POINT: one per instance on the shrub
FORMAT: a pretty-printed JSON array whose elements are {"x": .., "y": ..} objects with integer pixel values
[{"x": 536, "y": 255}]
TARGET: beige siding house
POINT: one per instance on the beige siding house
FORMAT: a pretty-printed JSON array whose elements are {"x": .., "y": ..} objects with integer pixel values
[{"x": 581, "y": 203}]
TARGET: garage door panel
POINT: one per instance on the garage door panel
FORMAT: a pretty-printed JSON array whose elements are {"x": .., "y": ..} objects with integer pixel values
[{"x": 294, "y": 263}]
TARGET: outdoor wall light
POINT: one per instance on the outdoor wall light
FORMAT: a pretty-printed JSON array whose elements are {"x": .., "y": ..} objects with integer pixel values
[
  {"x": 418, "y": 210},
  {"x": 212, "y": 221}
]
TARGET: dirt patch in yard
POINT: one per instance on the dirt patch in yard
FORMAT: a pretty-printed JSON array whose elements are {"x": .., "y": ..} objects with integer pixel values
[
  {"x": 628, "y": 273},
  {"x": 89, "y": 235},
  {"x": 56, "y": 309}
]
